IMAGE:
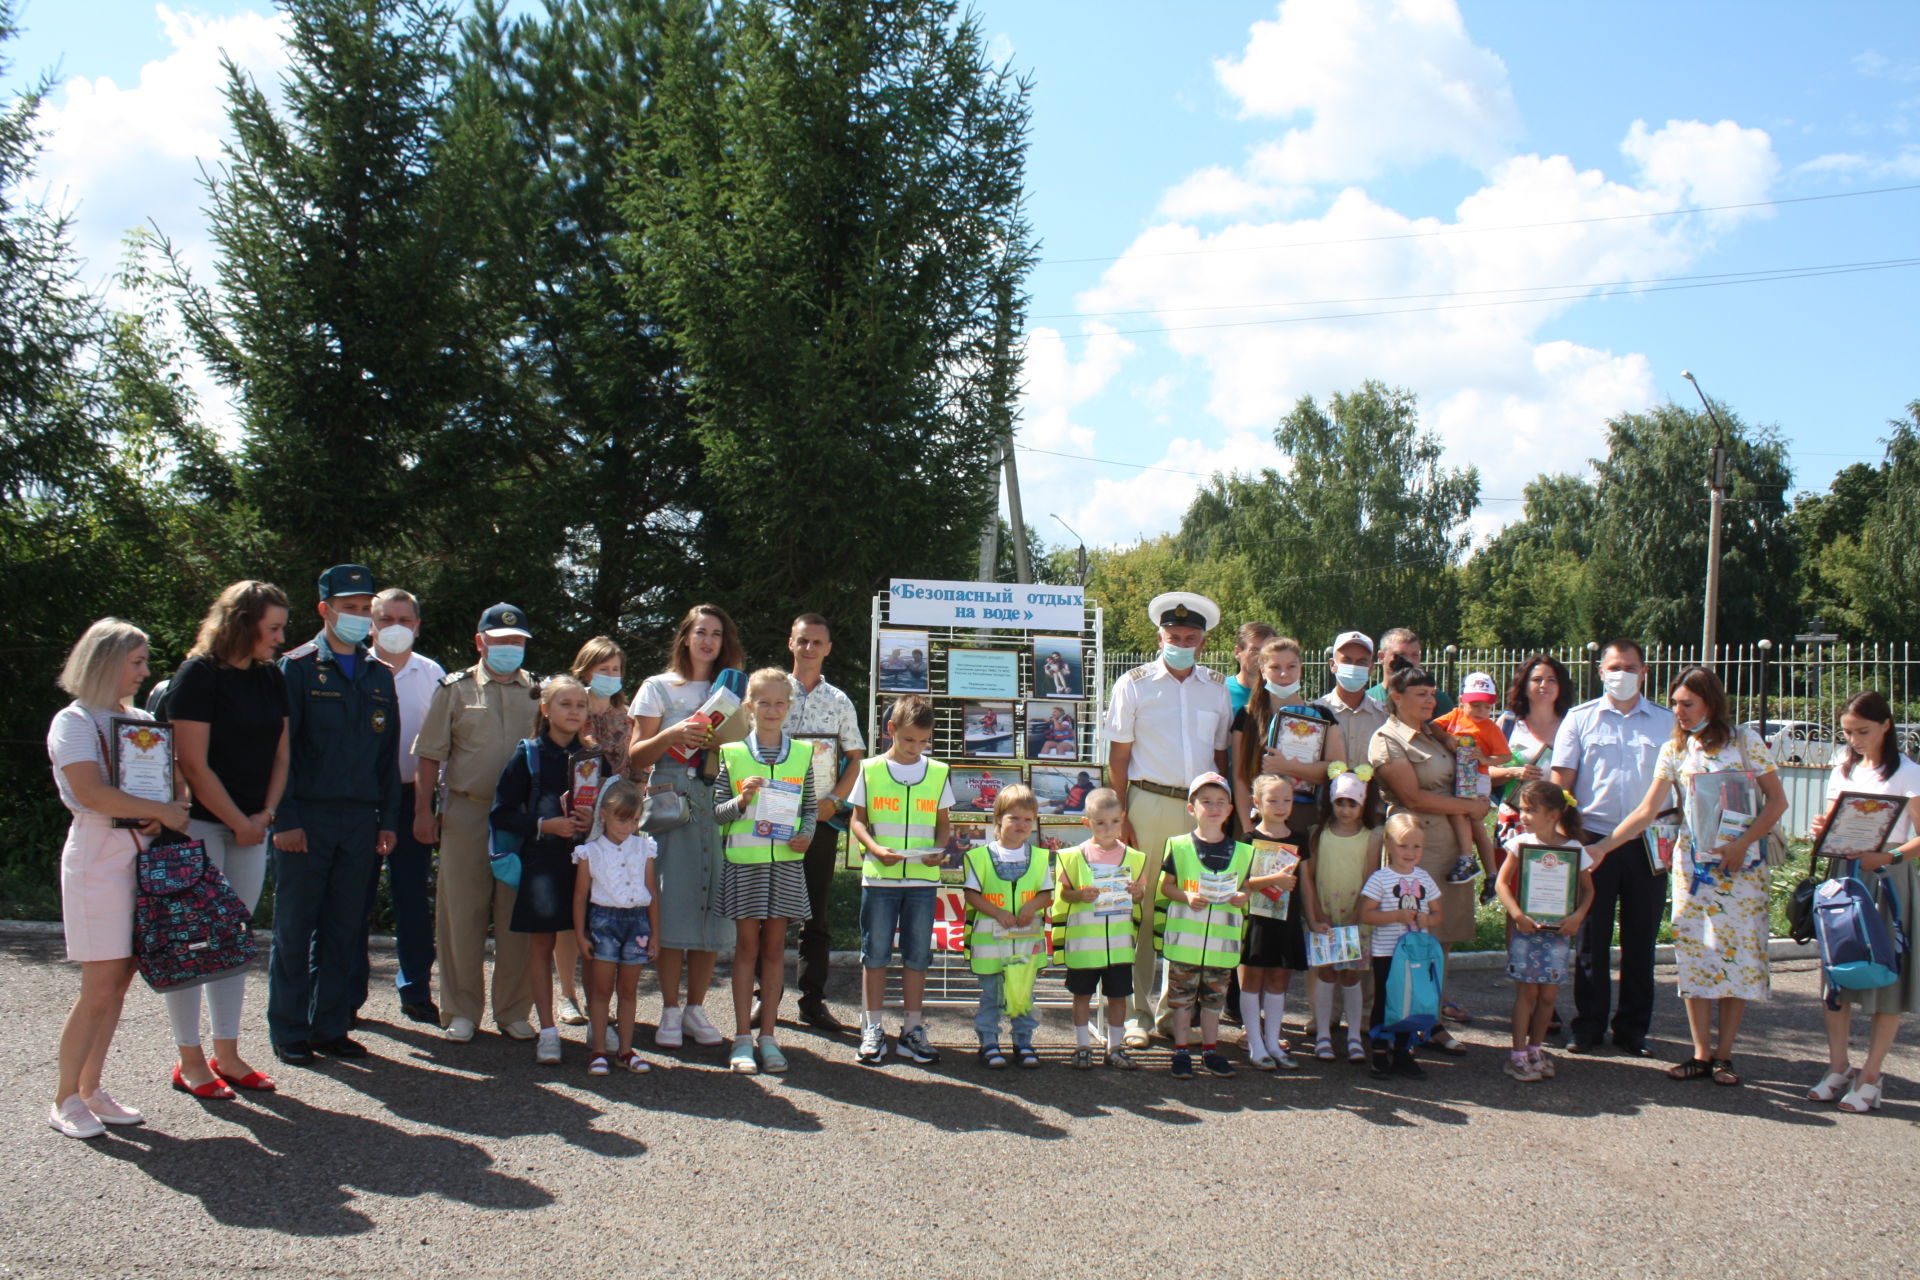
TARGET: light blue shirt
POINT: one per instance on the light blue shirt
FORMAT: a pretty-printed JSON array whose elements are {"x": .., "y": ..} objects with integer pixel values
[{"x": 1612, "y": 755}]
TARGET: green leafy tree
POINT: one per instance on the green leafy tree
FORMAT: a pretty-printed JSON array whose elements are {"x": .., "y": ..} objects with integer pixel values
[
  {"x": 1363, "y": 528},
  {"x": 1529, "y": 585},
  {"x": 831, "y": 220},
  {"x": 1649, "y": 554}
]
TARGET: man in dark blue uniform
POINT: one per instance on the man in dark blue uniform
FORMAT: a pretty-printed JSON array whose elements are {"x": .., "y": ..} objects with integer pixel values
[{"x": 335, "y": 823}]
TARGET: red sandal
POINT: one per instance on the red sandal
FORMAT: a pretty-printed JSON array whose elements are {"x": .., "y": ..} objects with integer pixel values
[
  {"x": 253, "y": 1081},
  {"x": 211, "y": 1090}
]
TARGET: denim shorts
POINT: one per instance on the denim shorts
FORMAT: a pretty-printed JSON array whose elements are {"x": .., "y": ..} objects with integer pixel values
[
  {"x": 618, "y": 935},
  {"x": 887, "y": 908}
]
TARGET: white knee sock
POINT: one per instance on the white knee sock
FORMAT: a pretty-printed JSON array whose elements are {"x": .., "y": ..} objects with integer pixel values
[
  {"x": 1116, "y": 1035},
  {"x": 1250, "y": 1019},
  {"x": 1350, "y": 996},
  {"x": 1083, "y": 1035},
  {"x": 1323, "y": 1009},
  {"x": 1273, "y": 1006}
]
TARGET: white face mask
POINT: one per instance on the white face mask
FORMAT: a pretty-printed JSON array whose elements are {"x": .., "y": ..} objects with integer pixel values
[
  {"x": 1621, "y": 686},
  {"x": 1352, "y": 678},
  {"x": 394, "y": 638}
]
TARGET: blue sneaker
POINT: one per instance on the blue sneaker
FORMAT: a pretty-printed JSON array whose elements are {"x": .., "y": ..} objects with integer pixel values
[{"x": 1182, "y": 1065}]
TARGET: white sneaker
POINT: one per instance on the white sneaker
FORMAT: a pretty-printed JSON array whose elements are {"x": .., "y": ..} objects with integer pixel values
[
  {"x": 107, "y": 1111},
  {"x": 460, "y": 1030},
  {"x": 612, "y": 1042},
  {"x": 703, "y": 1032},
  {"x": 521, "y": 1030},
  {"x": 74, "y": 1120},
  {"x": 567, "y": 1013},
  {"x": 547, "y": 1052},
  {"x": 668, "y": 1036}
]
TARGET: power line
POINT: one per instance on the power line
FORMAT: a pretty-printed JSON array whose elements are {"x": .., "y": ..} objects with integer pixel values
[
  {"x": 1456, "y": 229},
  {"x": 1735, "y": 276},
  {"x": 1787, "y": 274}
]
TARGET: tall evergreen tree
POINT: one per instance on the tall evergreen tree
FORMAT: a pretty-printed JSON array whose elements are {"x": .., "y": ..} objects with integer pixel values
[{"x": 831, "y": 221}]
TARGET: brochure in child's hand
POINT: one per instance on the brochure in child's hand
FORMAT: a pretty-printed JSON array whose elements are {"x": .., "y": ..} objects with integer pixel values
[
  {"x": 1338, "y": 946},
  {"x": 1218, "y": 886},
  {"x": 776, "y": 810},
  {"x": 1116, "y": 896},
  {"x": 1271, "y": 858}
]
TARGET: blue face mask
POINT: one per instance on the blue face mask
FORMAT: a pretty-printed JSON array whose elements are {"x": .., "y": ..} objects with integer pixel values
[
  {"x": 1281, "y": 690},
  {"x": 1694, "y": 732},
  {"x": 1176, "y": 658},
  {"x": 351, "y": 628},
  {"x": 603, "y": 685},
  {"x": 1352, "y": 678},
  {"x": 505, "y": 659}
]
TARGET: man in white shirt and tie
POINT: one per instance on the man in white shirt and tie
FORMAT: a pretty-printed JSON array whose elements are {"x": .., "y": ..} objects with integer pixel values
[{"x": 1168, "y": 722}]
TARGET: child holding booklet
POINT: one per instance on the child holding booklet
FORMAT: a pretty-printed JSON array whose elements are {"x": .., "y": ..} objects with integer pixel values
[
  {"x": 1472, "y": 726},
  {"x": 763, "y": 801},
  {"x": 1008, "y": 891},
  {"x": 1275, "y": 946},
  {"x": 1538, "y": 953},
  {"x": 616, "y": 917},
  {"x": 1203, "y": 901},
  {"x": 900, "y": 803},
  {"x": 1397, "y": 898},
  {"x": 1341, "y": 855},
  {"x": 1099, "y": 934}
]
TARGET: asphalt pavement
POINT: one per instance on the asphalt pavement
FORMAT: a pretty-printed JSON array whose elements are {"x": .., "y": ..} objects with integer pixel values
[{"x": 437, "y": 1159}]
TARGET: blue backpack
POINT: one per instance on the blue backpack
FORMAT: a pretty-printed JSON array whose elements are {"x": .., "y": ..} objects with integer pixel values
[
  {"x": 1412, "y": 993},
  {"x": 1859, "y": 948},
  {"x": 503, "y": 853}
]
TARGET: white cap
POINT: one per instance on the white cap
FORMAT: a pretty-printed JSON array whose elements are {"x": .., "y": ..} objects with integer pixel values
[
  {"x": 1479, "y": 684},
  {"x": 1350, "y": 786},
  {"x": 1183, "y": 609},
  {"x": 1208, "y": 779},
  {"x": 1346, "y": 638}
]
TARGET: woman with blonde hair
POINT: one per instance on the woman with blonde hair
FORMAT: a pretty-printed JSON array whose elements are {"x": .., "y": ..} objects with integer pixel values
[
  {"x": 228, "y": 705},
  {"x": 102, "y": 673},
  {"x": 601, "y": 667}
]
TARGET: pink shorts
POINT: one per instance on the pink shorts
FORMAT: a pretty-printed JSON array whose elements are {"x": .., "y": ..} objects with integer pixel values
[{"x": 96, "y": 889}]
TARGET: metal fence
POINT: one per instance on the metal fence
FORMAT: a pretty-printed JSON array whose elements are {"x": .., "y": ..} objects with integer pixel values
[{"x": 1793, "y": 693}]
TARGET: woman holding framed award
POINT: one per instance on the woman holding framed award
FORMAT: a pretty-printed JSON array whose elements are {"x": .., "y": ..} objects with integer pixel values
[
  {"x": 228, "y": 706},
  {"x": 1855, "y": 827},
  {"x": 1719, "y": 877},
  {"x": 101, "y": 787},
  {"x": 1412, "y": 759}
]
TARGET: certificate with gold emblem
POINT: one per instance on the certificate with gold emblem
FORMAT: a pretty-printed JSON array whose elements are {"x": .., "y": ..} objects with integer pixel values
[{"x": 142, "y": 761}]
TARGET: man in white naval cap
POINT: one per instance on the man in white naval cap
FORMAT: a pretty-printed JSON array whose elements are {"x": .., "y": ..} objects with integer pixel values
[{"x": 1167, "y": 723}]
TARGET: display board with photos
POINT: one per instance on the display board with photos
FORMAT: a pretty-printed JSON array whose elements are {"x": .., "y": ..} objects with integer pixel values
[{"x": 1011, "y": 705}]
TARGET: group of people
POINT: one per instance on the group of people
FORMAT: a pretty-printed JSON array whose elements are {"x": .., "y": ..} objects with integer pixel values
[{"x": 352, "y": 752}]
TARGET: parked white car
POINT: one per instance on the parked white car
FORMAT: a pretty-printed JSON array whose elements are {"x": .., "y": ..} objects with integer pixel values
[{"x": 1798, "y": 742}]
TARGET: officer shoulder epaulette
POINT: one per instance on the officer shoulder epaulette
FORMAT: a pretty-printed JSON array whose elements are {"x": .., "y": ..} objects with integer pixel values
[
  {"x": 1210, "y": 675},
  {"x": 1141, "y": 672},
  {"x": 455, "y": 677},
  {"x": 306, "y": 650}
]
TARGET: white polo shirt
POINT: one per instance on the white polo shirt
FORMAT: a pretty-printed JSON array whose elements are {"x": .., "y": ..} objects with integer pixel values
[
  {"x": 1175, "y": 726},
  {"x": 413, "y": 685}
]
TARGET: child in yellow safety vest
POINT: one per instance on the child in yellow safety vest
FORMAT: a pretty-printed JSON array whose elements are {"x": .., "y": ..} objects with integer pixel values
[
  {"x": 1008, "y": 891},
  {"x": 1098, "y": 929},
  {"x": 1203, "y": 900},
  {"x": 764, "y": 803},
  {"x": 900, "y": 803}
]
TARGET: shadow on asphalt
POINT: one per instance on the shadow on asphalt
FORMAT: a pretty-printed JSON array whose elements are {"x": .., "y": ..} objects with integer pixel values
[{"x": 298, "y": 1168}]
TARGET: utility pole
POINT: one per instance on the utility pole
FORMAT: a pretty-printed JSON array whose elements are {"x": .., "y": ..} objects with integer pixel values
[
  {"x": 1003, "y": 410},
  {"x": 1710, "y": 624}
]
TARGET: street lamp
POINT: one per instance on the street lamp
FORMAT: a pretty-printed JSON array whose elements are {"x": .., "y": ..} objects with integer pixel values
[
  {"x": 1083, "y": 547},
  {"x": 1710, "y": 625}
]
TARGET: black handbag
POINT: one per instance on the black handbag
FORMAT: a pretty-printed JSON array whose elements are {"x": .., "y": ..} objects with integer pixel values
[{"x": 1800, "y": 902}]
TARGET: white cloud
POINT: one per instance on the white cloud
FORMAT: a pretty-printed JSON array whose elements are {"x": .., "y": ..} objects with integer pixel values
[
  {"x": 1385, "y": 82},
  {"x": 1462, "y": 308},
  {"x": 121, "y": 156},
  {"x": 1852, "y": 165}
]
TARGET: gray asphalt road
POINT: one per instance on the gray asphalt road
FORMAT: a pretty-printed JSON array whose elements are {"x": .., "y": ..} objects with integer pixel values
[{"x": 455, "y": 1160}]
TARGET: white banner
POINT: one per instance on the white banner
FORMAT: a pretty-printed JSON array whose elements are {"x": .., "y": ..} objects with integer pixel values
[{"x": 922, "y": 602}]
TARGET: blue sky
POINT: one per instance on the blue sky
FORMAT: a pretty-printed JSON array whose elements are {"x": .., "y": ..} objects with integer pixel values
[{"x": 1199, "y": 170}]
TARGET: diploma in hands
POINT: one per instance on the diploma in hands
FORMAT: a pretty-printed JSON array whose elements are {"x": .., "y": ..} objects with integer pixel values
[
  {"x": 1549, "y": 882},
  {"x": 1859, "y": 823},
  {"x": 142, "y": 761},
  {"x": 775, "y": 810}
]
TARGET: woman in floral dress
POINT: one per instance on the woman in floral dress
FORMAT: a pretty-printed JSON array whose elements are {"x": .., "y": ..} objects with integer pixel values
[{"x": 1720, "y": 924}]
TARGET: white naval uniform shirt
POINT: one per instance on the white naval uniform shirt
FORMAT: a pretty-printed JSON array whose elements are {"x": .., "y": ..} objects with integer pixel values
[{"x": 1175, "y": 725}]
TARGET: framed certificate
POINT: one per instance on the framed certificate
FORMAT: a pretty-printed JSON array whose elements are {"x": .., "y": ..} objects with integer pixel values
[
  {"x": 826, "y": 761},
  {"x": 1299, "y": 738},
  {"x": 141, "y": 761},
  {"x": 1859, "y": 823},
  {"x": 1549, "y": 882}
]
